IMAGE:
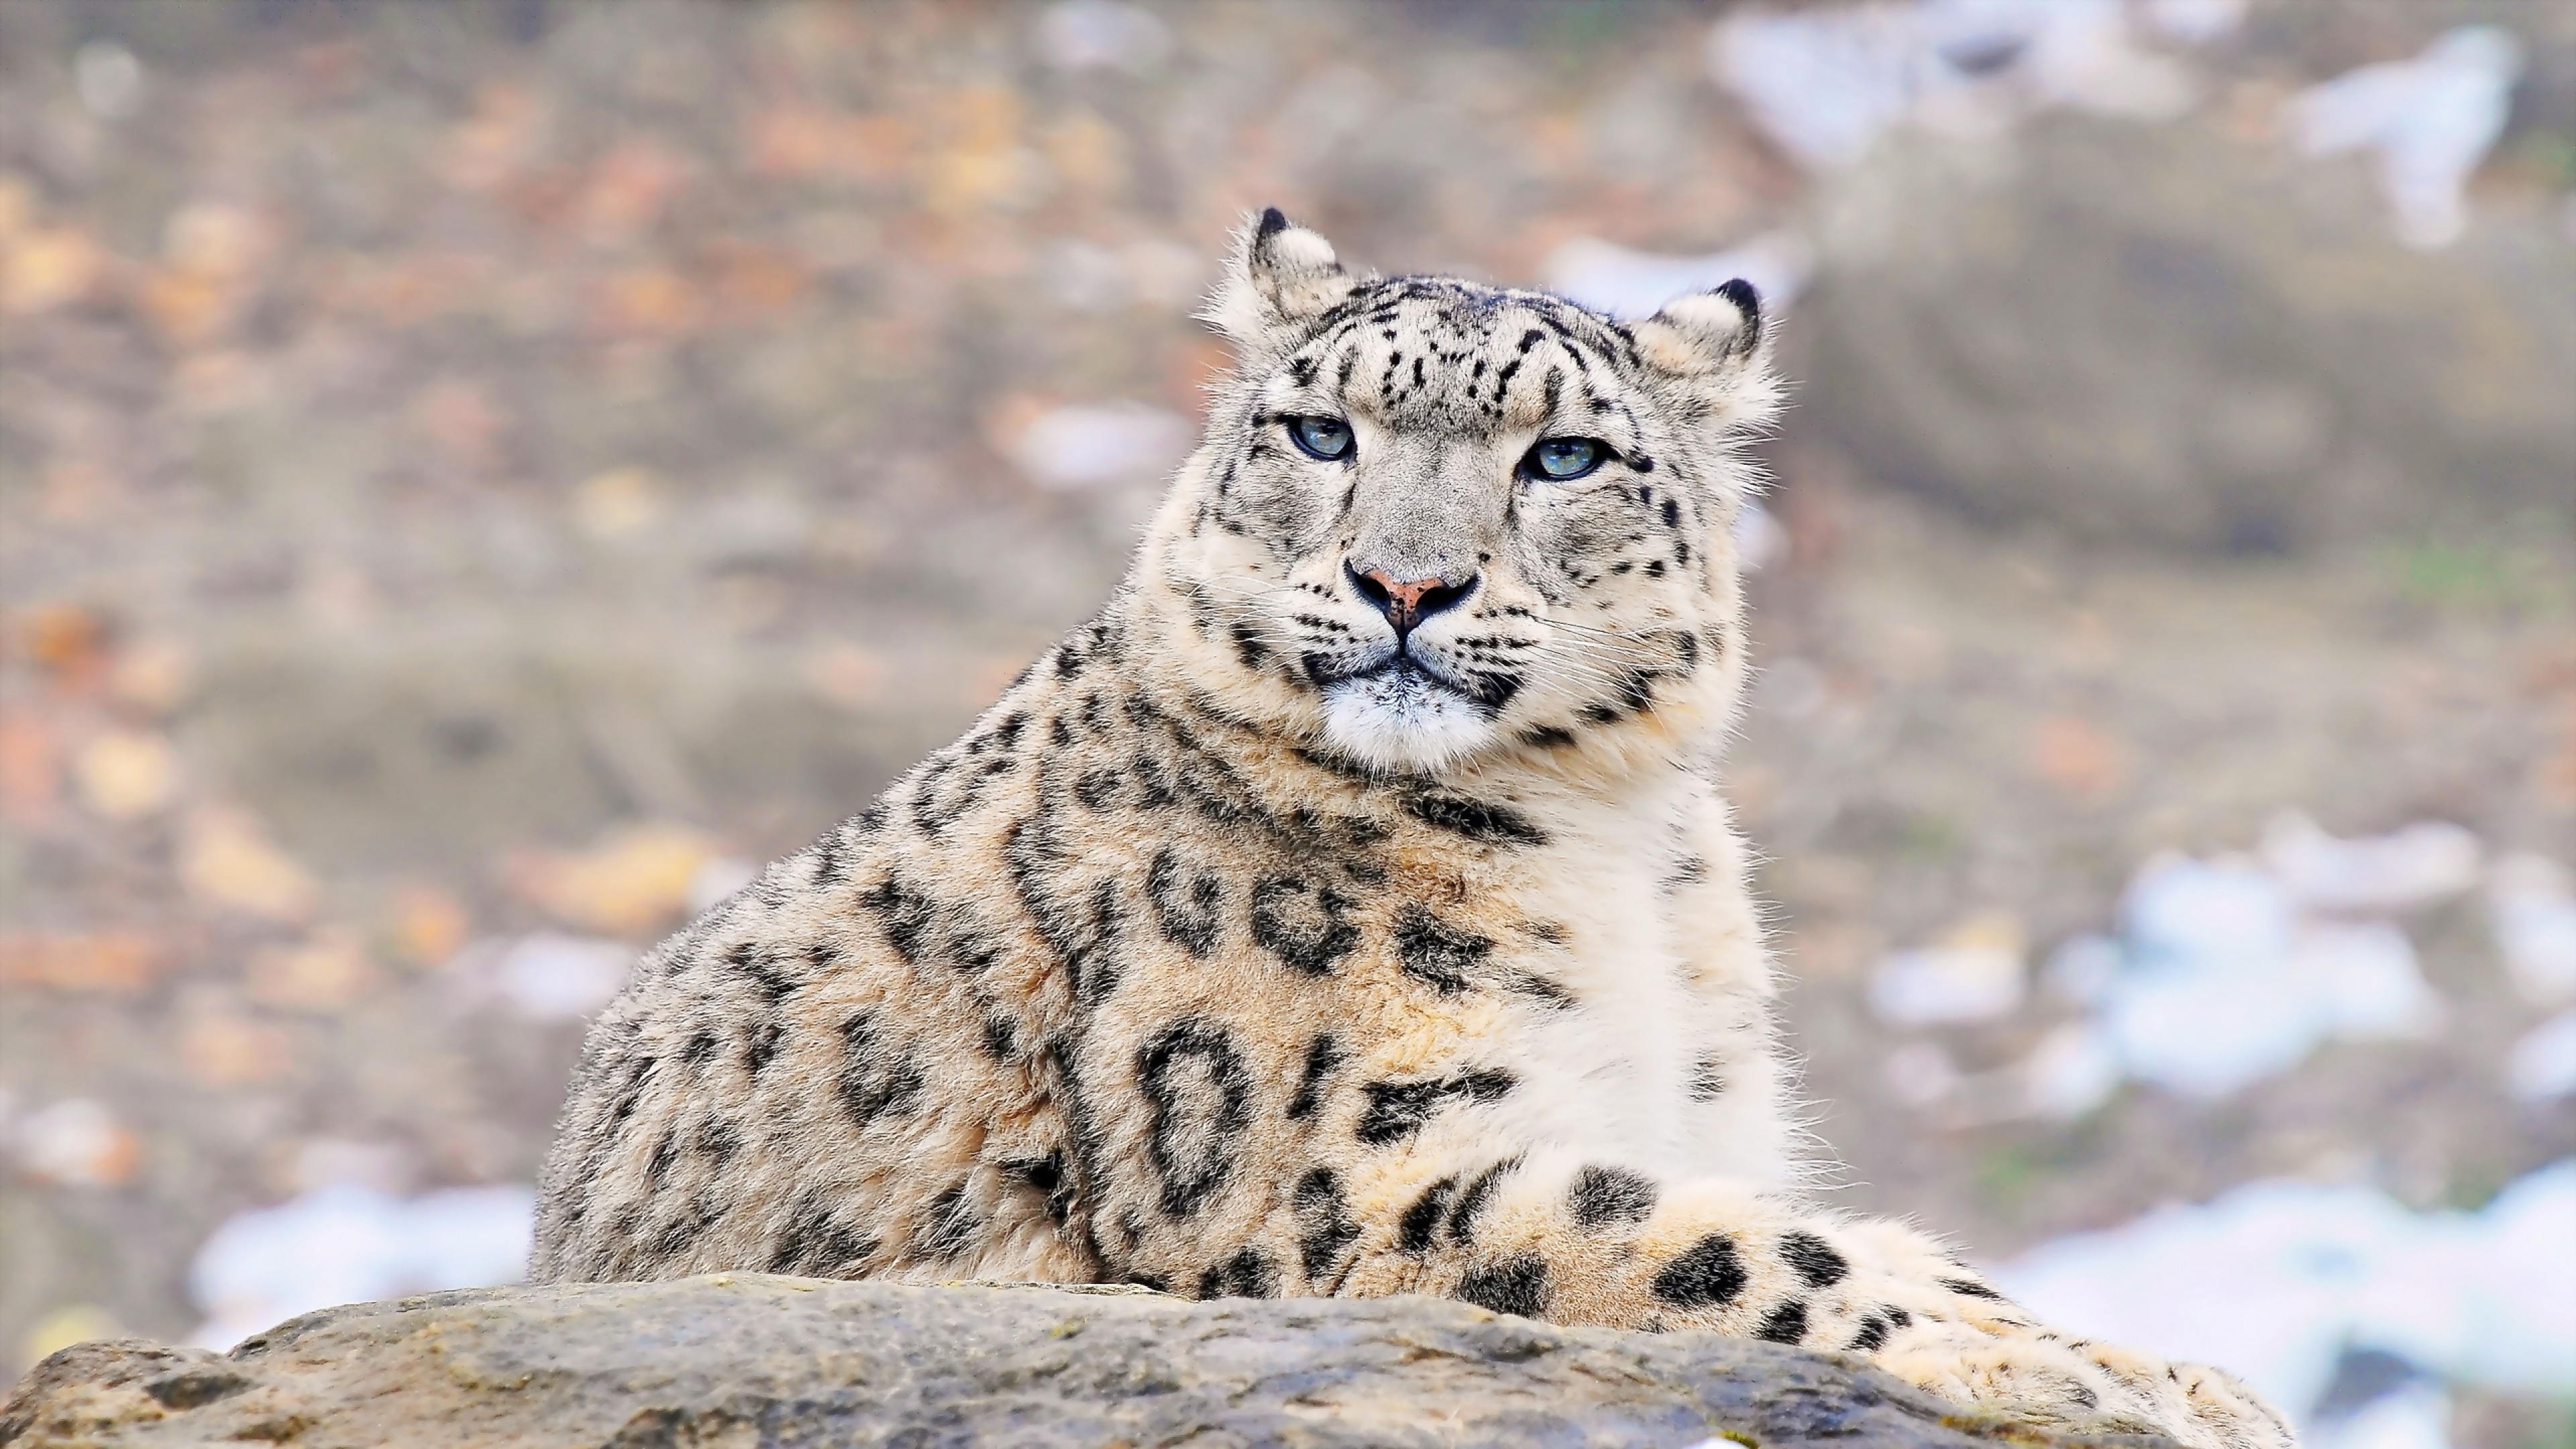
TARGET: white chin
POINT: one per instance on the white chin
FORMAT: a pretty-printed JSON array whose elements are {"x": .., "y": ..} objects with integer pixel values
[{"x": 1402, "y": 721}]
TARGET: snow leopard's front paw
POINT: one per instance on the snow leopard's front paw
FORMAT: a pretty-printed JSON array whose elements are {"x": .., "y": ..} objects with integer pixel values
[
  {"x": 2194, "y": 1403},
  {"x": 2045, "y": 1378}
]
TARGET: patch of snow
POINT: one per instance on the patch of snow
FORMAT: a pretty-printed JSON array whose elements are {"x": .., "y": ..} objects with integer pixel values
[
  {"x": 2182, "y": 914},
  {"x": 2074, "y": 1070},
  {"x": 2542, "y": 1065},
  {"x": 556, "y": 977},
  {"x": 1629, "y": 284},
  {"x": 1824, "y": 83},
  {"x": 2276, "y": 1280},
  {"x": 2082, "y": 968},
  {"x": 1076, "y": 447},
  {"x": 1760, "y": 541},
  {"x": 2228, "y": 970},
  {"x": 2424, "y": 862},
  {"x": 546, "y": 975},
  {"x": 1827, "y": 82},
  {"x": 2222, "y": 983},
  {"x": 2195, "y": 22},
  {"x": 2531, "y": 908},
  {"x": 1102, "y": 34},
  {"x": 76, "y": 1142},
  {"x": 1975, "y": 972},
  {"x": 1945, "y": 984},
  {"x": 2203, "y": 1003},
  {"x": 2431, "y": 120},
  {"x": 2365, "y": 981},
  {"x": 348, "y": 1243},
  {"x": 2415, "y": 1416},
  {"x": 2080, "y": 55},
  {"x": 1089, "y": 277}
]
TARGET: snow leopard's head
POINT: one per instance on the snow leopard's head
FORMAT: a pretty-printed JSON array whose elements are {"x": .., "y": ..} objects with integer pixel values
[{"x": 1433, "y": 520}]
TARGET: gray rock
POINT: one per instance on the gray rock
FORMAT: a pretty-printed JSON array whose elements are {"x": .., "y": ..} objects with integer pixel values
[
  {"x": 746, "y": 1358},
  {"x": 2174, "y": 337}
]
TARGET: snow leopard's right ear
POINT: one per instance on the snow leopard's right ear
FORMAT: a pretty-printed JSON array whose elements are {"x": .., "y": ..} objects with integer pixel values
[
  {"x": 1714, "y": 348},
  {"x": 1280, "y": 278}
]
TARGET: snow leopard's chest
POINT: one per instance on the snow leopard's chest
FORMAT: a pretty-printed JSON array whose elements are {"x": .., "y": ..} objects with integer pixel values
[{"x": 1626, "y": 1070}]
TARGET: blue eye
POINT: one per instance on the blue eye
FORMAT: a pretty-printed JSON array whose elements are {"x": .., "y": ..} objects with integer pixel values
[
  {"x": 1560, "y": 459},
  {"x": 1326, "y": 439}
]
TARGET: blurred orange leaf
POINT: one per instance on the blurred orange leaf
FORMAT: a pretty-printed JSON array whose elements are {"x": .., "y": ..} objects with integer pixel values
[
  {"x": 460, "y": 419},
  {"x": 42, "y": 270},
  {"x": 2078, "y": 757},
  {"x": 17, "y": 205},
  {"x": 627, "y": 190},
  {"x": 69, "y": 641},
  {"x": 2555, "y": 775},
  {"x": 811, "y": 141},
  {"x": 226, "y": 859},
  {"x": 211, "y": 239},
  {"x": 757, "y": 279},
  {"x": 486, "y": 148},
  {"x": 316, "y": 975},
  {"x": 127, "y": 774},
  {"x": 210, "y": 257},
  {"x": 401, "y": 291},
  {"x": 653, "y": 300},
  {"x": 152, "y": 676},
  {"x": 429, "y": 925},
  {"x": 189, "y": 308},
  {"x": 116, "y": 963},
  {"x": 224, "y": 1050},
  {"x": 847, "y": 675},
  {"x": 30, "y": 767},
  {"x": 632, "y": 882},
  {"x": 1088, "y": 152},
  {"x": 77, "y": 489},
  {"x": 618, "y": 501}
]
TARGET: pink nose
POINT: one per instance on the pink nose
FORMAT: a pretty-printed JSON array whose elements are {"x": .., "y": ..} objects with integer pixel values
[
  {"x": 1406, "y": 593},
  {"x": 1407, "y": 602}
]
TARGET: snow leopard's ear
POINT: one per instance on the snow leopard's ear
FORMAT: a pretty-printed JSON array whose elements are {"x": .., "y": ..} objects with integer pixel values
[
  {"x": 1714, "y": 345},
  {"x": 1280, "y": 278}
]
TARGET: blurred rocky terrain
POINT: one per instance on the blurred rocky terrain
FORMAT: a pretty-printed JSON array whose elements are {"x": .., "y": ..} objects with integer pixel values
[
  {"x": 472, "y": 477},
  {"x": 2146, "y": 335}
]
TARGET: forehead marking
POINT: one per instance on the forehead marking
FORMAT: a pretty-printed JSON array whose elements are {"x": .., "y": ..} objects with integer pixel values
[{"x": 1452, "y": 325}]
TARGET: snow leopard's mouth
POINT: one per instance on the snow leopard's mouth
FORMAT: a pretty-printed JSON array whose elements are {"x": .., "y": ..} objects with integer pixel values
[
  {"x": 1400, "y": 673},
  {"x": 1410, "y": 676},
  {"x": 1401, "y": 714}
]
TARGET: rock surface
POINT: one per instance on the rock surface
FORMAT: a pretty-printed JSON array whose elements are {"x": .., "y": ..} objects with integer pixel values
[{"x": 741, "y": 1359}]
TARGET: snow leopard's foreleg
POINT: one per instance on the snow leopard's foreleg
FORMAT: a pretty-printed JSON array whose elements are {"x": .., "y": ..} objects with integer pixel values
[{"x": 1554, "y": 1236}]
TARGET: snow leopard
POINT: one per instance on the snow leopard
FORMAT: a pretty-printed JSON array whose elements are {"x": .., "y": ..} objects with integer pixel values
[{"x": 1348, "y": 908}]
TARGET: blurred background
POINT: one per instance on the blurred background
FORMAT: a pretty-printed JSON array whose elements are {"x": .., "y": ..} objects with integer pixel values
[{"x": 475, "y": 478}]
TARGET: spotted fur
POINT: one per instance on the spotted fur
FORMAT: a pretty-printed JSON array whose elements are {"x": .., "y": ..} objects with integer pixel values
[{"x": 1257, "y": 944}]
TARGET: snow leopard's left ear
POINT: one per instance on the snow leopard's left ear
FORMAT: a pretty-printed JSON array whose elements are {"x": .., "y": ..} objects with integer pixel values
[
  {"x": 1280, "y": 278},
  {"x": 1714, "y": 346}
]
